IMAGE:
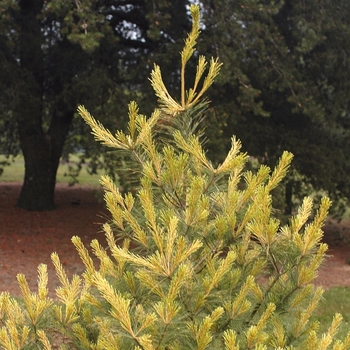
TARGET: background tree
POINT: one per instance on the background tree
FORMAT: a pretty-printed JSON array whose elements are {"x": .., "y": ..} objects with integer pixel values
[
  {"x": 285, "y": 83},
  {"x": 53, "y": 56}
]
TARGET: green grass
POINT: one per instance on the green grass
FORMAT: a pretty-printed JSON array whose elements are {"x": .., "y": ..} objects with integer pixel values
[
  {"x": 335, "y": 300},
  {"x": 15, "y": 172}
]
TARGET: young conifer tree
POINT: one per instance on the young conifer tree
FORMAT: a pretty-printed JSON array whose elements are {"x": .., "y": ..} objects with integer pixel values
[{"x": 195, "y": 259}]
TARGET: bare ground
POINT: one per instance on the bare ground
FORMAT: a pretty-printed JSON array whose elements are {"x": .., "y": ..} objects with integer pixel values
[{"x": 28, "y": 238}]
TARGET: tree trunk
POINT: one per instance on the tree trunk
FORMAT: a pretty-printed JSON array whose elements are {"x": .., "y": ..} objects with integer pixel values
[
  {"x": 37, "y": 193},
  {"x": 38, "y": 188},
  {"x": 42, "y": 126},
  {"x": 42, "y": 152}
]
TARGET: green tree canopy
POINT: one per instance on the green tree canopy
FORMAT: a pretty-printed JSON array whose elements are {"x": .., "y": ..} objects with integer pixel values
[
  {"x": 55, "y": 55},
  {"x": 285, "y": 82}
]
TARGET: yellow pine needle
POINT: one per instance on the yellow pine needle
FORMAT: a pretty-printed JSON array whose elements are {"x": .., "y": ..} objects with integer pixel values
[
  {"x": 68, "y": 292},
  {"x": 121, "y": 308},
  {"x": 280, "y": 170},
  {"x": 84, "y": 254},
  {"x": 26, "y": 296},
  {"x": 146, "y": 199},
  {"x": 327, "y": 338},
  {"x": 230, "y": 340},
  {"x": 133, "y": 112},
  {"x": 189, "y": 48},
  {"x": 262, "y": 347},
  {"x": 300, "y": 296},
  {"x": 115, "y": 210},
  {"x": 106, "y": 264},
  {"x": 171, "y": 107},
  {"x": 107, "y": 340},
  {"x": 191, "y": 39},
  {"x": 145, "y": 128},
  {"x": 304, "y": 212},
  {"x": 109, "y": 186},
  {"x": 180, "y": 278},
  {"x": 81, "y": 335},
  {"x": 151, "y": 282},
  {"x": 201, "y": 66},
  {"x": 214, "y": 70},
  {"x": 255, "y": 337},
  {"x": 322, "y": 212},
  {"x": 9, "y": 338},
  {"x": 303, "y": 319},
  {"x": 43, "y": 338},
  {"x": 240, "y": 304},
  {"x": 4, "y": 304},
  {"x": 202, "y": 332},
  {"x": 220, "y": 272},
  {"x": 265, "y": 316},
  {"x": 167, "y": 310},
  {"x": 342, "y": 345},
  {"x": 100, "y": 132},
  {"x": 149, "y": 146},
  {"x": 149, "y": 172},
  {"x": 233, "y": 159},
  {"x": 145, "y": 342},
  {"x": 159, "y": 263},
  {"x": 279, "y": 335},
  {"x": 42, "y": 281},
  {"x": 138, "y": 233},
  {"x": 15, "y": 313},
  {"x": 194, "y": 147}
]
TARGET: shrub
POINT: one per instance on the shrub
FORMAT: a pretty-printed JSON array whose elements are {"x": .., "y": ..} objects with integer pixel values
[{"x": 195, "y": 259}]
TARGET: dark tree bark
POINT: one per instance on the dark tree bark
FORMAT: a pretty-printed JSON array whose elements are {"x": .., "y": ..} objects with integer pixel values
[
  {"x": 41, "y": 165},
  {"x": 42, "y": 152},
  {"x": 41, "y": 144}
]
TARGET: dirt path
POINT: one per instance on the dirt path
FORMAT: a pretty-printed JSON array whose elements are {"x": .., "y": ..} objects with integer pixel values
[{"x": 28, "y": 238}]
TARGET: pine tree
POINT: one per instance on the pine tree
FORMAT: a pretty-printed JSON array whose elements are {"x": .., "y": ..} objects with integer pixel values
[{"x": 196, "y": 258}]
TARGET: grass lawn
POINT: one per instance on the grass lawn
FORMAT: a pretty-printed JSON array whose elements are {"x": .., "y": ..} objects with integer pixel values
[
  {"x": 335, "y": 300},
  {"x": 15, "y": 172}
]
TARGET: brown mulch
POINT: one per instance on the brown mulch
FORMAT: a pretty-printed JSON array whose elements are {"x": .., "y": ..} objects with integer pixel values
[
  {"x": 335, "y": 271},
  {"x": 28, "y": 238}
]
